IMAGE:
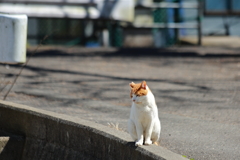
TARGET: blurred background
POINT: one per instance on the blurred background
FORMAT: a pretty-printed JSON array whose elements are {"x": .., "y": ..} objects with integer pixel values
[
  {"x": 197, "y": 89},
  {"x": 127, "y": 23}
]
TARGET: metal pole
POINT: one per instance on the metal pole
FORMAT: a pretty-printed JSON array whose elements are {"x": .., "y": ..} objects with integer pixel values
[
  {"x": 200, "y": 7},
  {"x": 177, "y": 20}
]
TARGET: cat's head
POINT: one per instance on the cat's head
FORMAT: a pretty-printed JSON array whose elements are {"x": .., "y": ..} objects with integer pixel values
[{"x": 139, "y": 92}]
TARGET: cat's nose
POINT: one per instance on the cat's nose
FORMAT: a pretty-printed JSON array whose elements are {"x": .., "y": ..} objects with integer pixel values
[{"x": 134, "y": 100}]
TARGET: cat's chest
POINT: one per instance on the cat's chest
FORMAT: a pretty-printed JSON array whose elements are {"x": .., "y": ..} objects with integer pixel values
[
  {"x": 144, "y": 115},
  {"x": 144, "y": 111}
]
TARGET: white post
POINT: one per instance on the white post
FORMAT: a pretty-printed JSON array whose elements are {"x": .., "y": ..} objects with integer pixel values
[
  {"x": 105, "y": 38},
  {"x": 13, "y": 38}
]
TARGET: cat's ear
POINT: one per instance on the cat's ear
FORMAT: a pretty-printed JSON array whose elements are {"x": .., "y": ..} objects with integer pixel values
[
  {"x": 144, "y": 85},
  {"x": 131, "y": 84}
]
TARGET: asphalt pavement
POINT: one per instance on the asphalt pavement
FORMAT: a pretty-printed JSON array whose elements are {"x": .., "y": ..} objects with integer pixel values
[{"x": 197, "y": 90}]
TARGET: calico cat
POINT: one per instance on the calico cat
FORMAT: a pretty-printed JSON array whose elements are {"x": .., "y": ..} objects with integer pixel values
[{"x": 143, "y": 125}]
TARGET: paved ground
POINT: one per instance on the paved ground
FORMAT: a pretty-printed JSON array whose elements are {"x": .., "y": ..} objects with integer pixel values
[{"x": 196, "y": 89}]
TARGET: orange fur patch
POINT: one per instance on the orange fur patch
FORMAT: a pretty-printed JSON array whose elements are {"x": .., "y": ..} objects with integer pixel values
[{"x": 137, "y": 89}]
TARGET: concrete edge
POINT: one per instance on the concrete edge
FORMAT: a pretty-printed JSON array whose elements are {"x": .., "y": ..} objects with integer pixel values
[{"x": 94, "y": 140}]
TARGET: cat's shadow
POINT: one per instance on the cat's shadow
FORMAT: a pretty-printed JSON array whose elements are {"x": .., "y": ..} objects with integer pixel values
[{"x": 132, "y": 145}]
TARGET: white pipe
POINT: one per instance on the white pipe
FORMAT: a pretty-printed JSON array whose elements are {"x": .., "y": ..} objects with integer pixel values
[{"x": 13, "y": 38}]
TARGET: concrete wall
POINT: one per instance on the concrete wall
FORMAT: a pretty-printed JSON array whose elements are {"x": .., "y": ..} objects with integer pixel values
[{"x": 52, "y": 136}]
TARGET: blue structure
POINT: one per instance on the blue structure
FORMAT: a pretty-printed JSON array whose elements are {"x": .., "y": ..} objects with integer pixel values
[{"x": 221, "y": 17}]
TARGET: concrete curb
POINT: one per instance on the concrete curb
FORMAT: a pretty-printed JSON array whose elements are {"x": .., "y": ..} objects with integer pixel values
[{"x": 55, "y": 136}]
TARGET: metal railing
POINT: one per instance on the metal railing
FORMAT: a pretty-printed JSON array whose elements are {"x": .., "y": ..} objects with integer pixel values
[
  {"x": 173, "y": 25},
  {"x": 52, "y": 2},
  {"x": 115, "y": 30},
  {"x": 65, "y": 21}
]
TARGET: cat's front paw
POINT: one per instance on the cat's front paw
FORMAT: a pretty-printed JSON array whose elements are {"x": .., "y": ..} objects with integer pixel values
[
  {"x": 139, "y": 143},
  {"x": 148, "y": 142}
]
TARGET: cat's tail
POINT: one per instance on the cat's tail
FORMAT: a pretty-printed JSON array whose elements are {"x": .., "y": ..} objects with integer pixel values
[{"x": 156, "y": 143}]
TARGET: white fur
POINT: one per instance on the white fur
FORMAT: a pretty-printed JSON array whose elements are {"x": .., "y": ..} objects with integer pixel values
[{"x": 144, "y": 124}]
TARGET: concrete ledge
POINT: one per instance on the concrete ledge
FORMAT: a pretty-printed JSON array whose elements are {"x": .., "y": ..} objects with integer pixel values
[
  {"x": 55, "y": 136},
  {"x": 11, "y": 146}
]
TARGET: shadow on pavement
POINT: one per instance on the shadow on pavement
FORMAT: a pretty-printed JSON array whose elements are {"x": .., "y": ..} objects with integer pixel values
[{"x": 198, "y": 52}]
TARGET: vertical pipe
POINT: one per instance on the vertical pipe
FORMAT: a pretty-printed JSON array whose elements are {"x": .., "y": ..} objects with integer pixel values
[
  {"x": 160, "y": 35},
  {"x": 171, "y": 34},
  {"x": 200, "y": 7},
  {"x": 176, "y": 17}
]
